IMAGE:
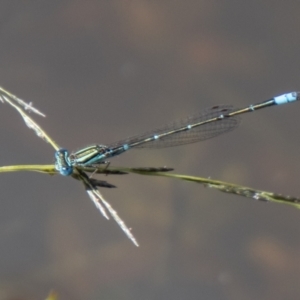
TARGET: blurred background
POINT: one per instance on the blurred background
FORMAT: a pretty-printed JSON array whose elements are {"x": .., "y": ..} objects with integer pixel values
[{"x": 105, "y": 70}]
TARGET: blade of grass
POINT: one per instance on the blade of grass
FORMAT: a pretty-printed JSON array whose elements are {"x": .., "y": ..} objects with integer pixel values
[
  {"x": 222, "y": 186},
  {"x": 100, "y": 203},
  {"x": 33, "y": 125},
  {"x": 4, "y": 94},
  {"x": 228, "y": 188}
]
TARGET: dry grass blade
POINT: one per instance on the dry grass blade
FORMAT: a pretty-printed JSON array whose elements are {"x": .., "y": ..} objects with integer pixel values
[
  {"x": 229, "y": 188},
  {"x": 222, "y": 186},
  {"x": 31, "y": 124},
  {"x": 4, "y": 94},
  {"x": 91, "y": 184},
  {"x": 120, "y": 222},
  {"x": 99, "y": 201}
]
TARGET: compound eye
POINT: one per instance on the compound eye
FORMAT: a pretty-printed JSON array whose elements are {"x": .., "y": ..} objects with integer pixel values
[{"x": 66, "y": 171}]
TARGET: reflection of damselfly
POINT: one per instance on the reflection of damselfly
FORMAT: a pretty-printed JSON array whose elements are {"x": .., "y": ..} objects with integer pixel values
[{"x": 204, "y": 125}]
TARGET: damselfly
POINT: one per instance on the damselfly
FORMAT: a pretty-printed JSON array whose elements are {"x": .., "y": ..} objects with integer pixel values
[{"x": 207, "y": 124}]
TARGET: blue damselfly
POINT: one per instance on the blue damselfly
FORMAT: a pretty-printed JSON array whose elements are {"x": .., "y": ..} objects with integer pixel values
[{"x": 207, "y": 124}]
